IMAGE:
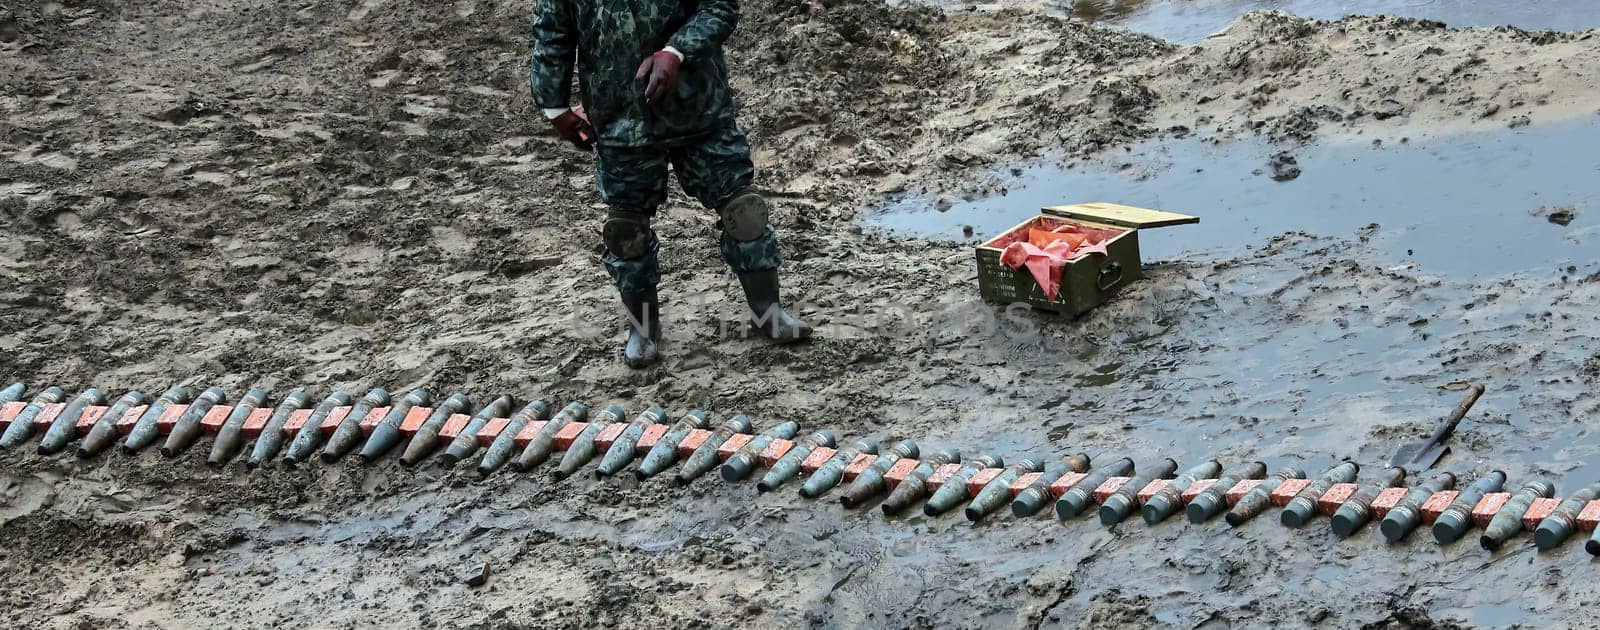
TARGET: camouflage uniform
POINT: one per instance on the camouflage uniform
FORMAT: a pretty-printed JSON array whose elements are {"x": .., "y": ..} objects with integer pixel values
[{"x": 692, "y": 130}]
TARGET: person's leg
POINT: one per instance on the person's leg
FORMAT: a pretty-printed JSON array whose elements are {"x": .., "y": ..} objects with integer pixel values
[
  {"x": 718, "y": 172},
  {"x": 633, "y": 183}
]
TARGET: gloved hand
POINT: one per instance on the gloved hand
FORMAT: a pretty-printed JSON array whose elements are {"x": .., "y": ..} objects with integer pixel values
[
  {"x": 574, "y": 128},
  {"x": 662, "y": 69}
]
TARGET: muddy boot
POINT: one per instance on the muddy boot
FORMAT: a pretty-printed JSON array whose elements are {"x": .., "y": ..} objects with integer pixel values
[
  {"x": 644, "y": 329},
  {"x": 767, "y": 314}
]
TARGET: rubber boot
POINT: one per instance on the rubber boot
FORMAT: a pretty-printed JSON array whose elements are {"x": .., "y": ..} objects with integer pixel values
[
  {"x": 769, "y": 318},
  {"x": 644, "y": 329}
]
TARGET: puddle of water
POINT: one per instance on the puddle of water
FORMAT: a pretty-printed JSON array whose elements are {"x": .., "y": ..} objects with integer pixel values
[{"x": 1460, "y": 205}]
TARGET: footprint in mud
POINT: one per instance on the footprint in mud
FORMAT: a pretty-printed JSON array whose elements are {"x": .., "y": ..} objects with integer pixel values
[{"x": 881, "y": 583}]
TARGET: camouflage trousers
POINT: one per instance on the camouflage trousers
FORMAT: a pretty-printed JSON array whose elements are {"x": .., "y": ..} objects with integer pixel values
[{"x": 712, "y": 169}]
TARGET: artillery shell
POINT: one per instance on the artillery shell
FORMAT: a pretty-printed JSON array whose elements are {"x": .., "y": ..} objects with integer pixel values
[
  {"x": 1454, "y": 522},
  {"x": 997, "y": 492},
  {"x": 271, "y": 439},
  {"x": 1214, "y": 499},
  {"x": 104, "y": 432},
  {"x": 703, "y": 459},
  {"x": 543, "y": 443},
  {"x": 871, "y": 482},
  {"x": 1508, "y": 521},
  {"x": 915, "y": 485},
  {"x": 65, "y": 426},
  {"x": 831, "y": 472},
  {"x": 1357, "y": 510},
  {"x": 12, "y": 392},
  {"x": 426, "y": 439},
  {"x": 145, "y": 431},
  {"x": 1170, "y": 498},
  {"x": 583, "y": 448},
  {"x": 348, "y": 433},
  {"x": 740, "y": 465},
  {"x": 626, "y": 445},
  {"x": 1255, "y": 501},
  {"x": 1076, "y": 499},
  {"x": 466, "y": 442},
  {"x": 1406, "y": 515},
  {"x": 505, "y": 442},
  {"x": 188, "y": 429},
  {"x": 1559, "y": 525},
  {"x": 231, "y": 437},
  {"x": 1122, "y": 502},
  {"x": 386, "y": 433},
  {"x": 665, "y": 452},
  {"x": 310, "y": 434},
  {"x": 954, "y": 489},
  {"x": 1304, "y": 505},
  {"x": 22, "y": 426},
  {"x": 788, "y": 466},
  {"x": 1034, "y": 497}
]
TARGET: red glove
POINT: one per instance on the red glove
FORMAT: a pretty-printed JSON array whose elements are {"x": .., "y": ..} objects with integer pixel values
[
  {"x": 662, "y": 68},
  {"x": 574, "y": 128}
]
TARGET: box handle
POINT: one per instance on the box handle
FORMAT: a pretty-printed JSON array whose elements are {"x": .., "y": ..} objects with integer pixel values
[{"x": 1109, "y": 276}]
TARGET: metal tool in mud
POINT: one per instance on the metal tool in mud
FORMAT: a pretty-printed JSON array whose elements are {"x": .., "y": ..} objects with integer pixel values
[
  {"x": 543, "y": 443},
  {"x": 1420, "y": 456},
  {"x": 104, "y": 432},
  {"x": 1303, "y": 506},
  {"x": 954, "y": 490},
  {"x": 348, "y": 433},
  {"x": 1169, "y": 499},
  {"x": 146, "y": 430},
  {"x": 188, "y": 428},
  {"x": 65, "y": 425},
  {"x": 583, "y": 448},
  {"x": 997, "y": 492},
  {"x": 1255, "y": 501},
  {"x": 1560, "y": 524},
  {"x": 13, "y": 392},
  {"x": 1356, "y": 511},
  {"x": 1214, "y": 499},
  {"x": 22, "y": 426},
  {"x": 704, "y": 458},
  {"x": 466, "y": 442},
  {"x": 625, "y": 446},
  {"x": 915, "y": 486},
  {"x": 825, "y": 477},
  {"x": 743, "y": 462},
  {"x": 500, "y": 450},
  {"x": 270, "y": 441},
  {"x": 1455, "y": 520},
  {"x": 1407, "y": 514},
  {"x": 230, "y": 438},
  {"x": 665, "y": 453},
  {"x": 1033, "y": 498},
  {"x": 386, "y": 433},
  {"x": 872, "y": 481},
  {"x": 1508, "y": 521},
  {"x": 310, "y": 434},
  {"x": 788, "y": 466},
  {"x": 426, "y": 438},
  {"x": 1121, "y": 503},
  {"x": 1076, "y": 499}
]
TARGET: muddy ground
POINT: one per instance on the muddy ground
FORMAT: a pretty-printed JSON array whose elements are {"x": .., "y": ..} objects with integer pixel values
[{"x": 359, "y": 193}]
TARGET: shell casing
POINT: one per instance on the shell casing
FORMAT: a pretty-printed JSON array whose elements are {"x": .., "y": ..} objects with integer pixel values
[
  {"x": 1170, "y": 498},
  {"x": 65, "y": 426},
  {"x": 426, "y": 439},
  {"x": 22, "y": 426},
  {"x": 1560, "y": 524},
  {"x": 348, "y": 433},
  {"x": 871, "y": 482},
  {"x": 145, "y": 431},
  {"x": 188, "y": 428},
  {"x": 954, "y": 489},
  {"x": 231, "y": 437},
  {"x": 539, "y": 448},
  {"x": 1508, "y": 521},
  {"x": 1076, "y": 499},
  {"x": 1356, "y": 511},
  {"x": 104, "y": 432},
  {"x": 1454, "y": 522},
  {"x": 1303, "y": 507},
  {"x": 831, "y": 472},
  {"x": 997, "y": 492},
  {"x": 310, "y": 434},
  {"x": 704, "y": 458},
  {"x": 465, "y": 443},
  {"x": 1407, "y": 514},
  {"x": 665, "y": 453},
  {"x": 915, "y": 485},
  {"x": 1033, "y": 498},
  {"x": 387, "y": 432},
  {"x": 742, "y": 463},
  {"x": 788, "y": 466},
  {"x": 1214, "y": 499},
  {"x": 1255, "y": 501},
  {"x": 1121, "y": 503},
  {"x": 626, "y": 445},
  {"x": 271, "y": 439},
  {"x": 583, "y": 447},
  {"x": 13, "y": 392}
]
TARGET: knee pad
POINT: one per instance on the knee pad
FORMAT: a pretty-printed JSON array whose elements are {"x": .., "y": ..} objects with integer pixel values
[
  {"x": 745, "y": 216},
  {"x": 628, "y": 234}
]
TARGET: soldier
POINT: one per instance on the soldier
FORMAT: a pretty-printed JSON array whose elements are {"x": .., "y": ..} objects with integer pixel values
[{"x": 654, "y": 89}]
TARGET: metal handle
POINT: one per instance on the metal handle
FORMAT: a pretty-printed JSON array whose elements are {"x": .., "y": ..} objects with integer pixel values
[{"x": 1113, "y": 271}]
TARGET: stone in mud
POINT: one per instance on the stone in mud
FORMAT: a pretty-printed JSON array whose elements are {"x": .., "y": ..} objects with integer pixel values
[{"x": 1284, "y": 167}]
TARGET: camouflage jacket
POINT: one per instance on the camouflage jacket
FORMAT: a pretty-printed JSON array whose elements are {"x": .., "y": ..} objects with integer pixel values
[{"x": 608, "y": 39}]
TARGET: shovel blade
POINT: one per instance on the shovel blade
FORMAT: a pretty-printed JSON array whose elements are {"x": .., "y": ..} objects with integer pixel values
[{"x": 1416, "y": 458}]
